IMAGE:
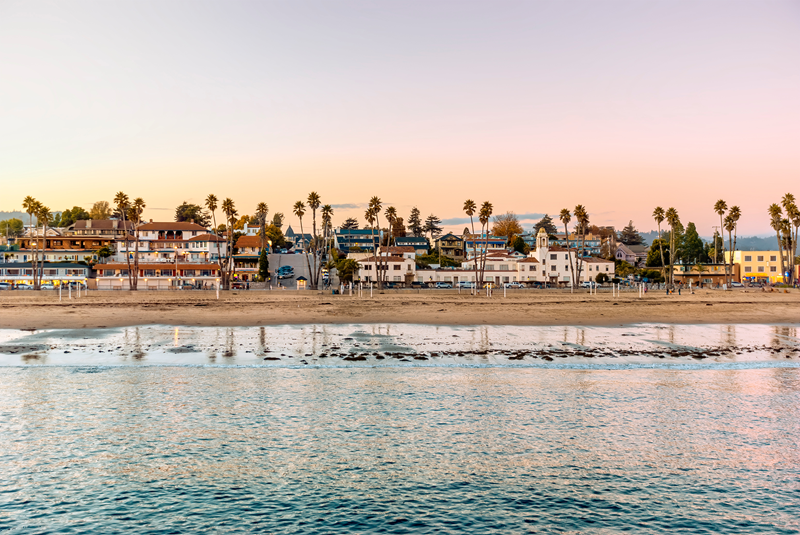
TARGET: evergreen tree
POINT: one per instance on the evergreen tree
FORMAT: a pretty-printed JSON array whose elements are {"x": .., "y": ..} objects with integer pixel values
[
  {"x": 192, "y": 212},
  {"x": 547, "y": 223},
  {"x": 630, "y": 236},
  {"x": 415, "y": 223},
  {"x": 263, "y": 265},
  {"x": 654, "y": 253},
  {"x": 519, "y": 245},
  {"x": 693, "y": 250},
  {"x": 350, "y": 223},
  {"x": 432, "y": 226},
  {"x": 68, "y": 217}
]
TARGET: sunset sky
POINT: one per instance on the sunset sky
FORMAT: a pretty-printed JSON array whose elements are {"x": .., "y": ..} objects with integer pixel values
[{"x": 534, "y": 106}]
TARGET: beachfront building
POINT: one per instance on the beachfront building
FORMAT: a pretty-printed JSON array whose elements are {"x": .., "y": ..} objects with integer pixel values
[
  {"x": 477, "y": 243},
  {"x": 61, "y": 244},
  {"x": 364, "y": 239},
  {"x": 158, "y": 275},
  {"x": 52, "y": 272},
  {"x": 173, "y": 241},
  {"x": 705, "y": 274},
  {"x": 396, "y": 250},
  {"x": 246, "y": 257},
  {"x": 450, "y": 246},
  {"x": 419, "y": 243},
  {"x": 396, "y": 269},
  {"x": 758, "y": 266}
]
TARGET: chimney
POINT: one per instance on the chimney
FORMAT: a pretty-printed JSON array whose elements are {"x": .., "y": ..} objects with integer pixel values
[{"x": 88, "y": 223}]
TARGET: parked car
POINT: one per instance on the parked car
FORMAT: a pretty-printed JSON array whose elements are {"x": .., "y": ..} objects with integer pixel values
[
  {"x": 6, "y": 286},
  {"x": 419, "y": 285},
  {"x": 735, "y": 284},
  {"x": 443, "y": 285},
  {"x": 588, "y": 284},
  {"x": 514, "y": 284},
  {"x": 23, "y": 286},
  {"x": 465, "y": 284},
  {"x": 48, "y": 286},
  {"x": 488, "y": 285}
]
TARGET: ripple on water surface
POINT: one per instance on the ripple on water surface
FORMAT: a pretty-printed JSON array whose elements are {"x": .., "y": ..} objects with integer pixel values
[{"x": 396, "y": 449}]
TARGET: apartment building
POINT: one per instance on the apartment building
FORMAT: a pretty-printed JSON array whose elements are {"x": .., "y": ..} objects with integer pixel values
[{"x": 758, "y": 266}]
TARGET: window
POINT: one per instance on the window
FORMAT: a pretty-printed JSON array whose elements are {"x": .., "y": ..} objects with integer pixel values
[
  {"x": 773, "y": 258},
  {"x": 760, "y": 258},
  {"x": 205, "y": 272},
  {"x": 533, "y": 268},
  {"x": 167, "y": 273},
  {"x": 503, "y": 267},
  {"x": 773, "y": 269},
  {"x": 108, "y": 272},
  {"x": 50, "y": 272},
  {"x": 505, "y": 279},
  {"x": 761, "y": 269},
  {"x": 397, "y": 267},
  {"x": 552, "y": 268},
  {"x": 566, "y": 256},
  {"x": 149, "y": 272},
  {"x": 397, "y": 278},
  {"x": 748, "y": 269},
  {"x": 553, "y": 257},
  {"x": 489, "y": 266},
  {"x": 188, "y": 273},
  {"x": 606, "y": 268},
  {"x": 748, "y": 258},
  {"x": 566, "y": 268}
]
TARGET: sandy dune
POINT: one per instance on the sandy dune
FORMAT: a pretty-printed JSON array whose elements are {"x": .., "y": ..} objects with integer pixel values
[{"x": 28, "y": 310}]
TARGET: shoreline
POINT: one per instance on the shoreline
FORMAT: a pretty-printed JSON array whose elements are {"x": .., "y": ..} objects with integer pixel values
[{"x": 99, "y": 309}]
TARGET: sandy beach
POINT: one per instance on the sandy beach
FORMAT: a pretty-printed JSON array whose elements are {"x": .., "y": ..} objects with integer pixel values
[{"x": 35, "y": 310}]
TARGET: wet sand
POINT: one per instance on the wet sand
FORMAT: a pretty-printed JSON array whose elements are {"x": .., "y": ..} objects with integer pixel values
[{"x": 42, "y": 310}]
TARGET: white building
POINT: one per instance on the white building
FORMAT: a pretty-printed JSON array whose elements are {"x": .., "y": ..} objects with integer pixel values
[
  {"x": 397, "y": 269},
  {"x": 171, "y": 241}
]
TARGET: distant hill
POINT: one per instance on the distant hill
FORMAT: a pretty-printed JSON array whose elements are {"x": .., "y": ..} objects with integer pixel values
[
  {"x": 743, "y": 243},
  {"x": 19, "y": 215}
]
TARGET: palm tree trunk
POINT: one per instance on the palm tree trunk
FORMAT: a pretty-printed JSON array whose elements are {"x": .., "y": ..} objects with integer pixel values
[
  {"x": 661, "y": 249},
  {"x": 474, "y": 256}
]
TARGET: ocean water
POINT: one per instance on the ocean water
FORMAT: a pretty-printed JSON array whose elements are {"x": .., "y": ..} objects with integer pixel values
[{"x": 130, "y": 442}]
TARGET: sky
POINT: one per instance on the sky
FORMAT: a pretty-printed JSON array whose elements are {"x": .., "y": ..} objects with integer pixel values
[{"x": 532, "y": 105}]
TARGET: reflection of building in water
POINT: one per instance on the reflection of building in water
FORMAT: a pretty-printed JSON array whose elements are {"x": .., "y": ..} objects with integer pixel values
[
  {"x": 230, "y": 344},
  {"x": 784, "y": 336}
]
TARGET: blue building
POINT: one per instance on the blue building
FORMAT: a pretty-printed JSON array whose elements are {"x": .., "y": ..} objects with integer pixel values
[{"x": 365, "y": 239}]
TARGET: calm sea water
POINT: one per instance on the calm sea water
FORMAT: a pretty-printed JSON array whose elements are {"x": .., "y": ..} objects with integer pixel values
[{"x": 399, "y": 447}]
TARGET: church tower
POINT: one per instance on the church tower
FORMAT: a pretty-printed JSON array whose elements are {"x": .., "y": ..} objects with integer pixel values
[{"x": 542, "y": 241}]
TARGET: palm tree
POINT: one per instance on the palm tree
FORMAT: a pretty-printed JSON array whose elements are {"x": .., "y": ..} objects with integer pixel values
[
  {"x": 314, "y": 203},
  {"x": 229, "y": 209},
  {"x": 122, "y": 203},
  {"x": 136, "y": 210},
  {"x": 734, "y": 214},
  {"x": 582, "y": 220},
  {"x": 673, "y": 220},
  {"x": 776, "y": 222},
  {"x": 327, "y": 225},
  {"x": 720, "y": 207},
  {"x": 261, "y": 214},
  {"x": 565, "y": 218},
  {"x": 369, "y": 215},
  {"x": 299, "y": 209},
  {"x": 43, "y": 216},
  {"x": 375, "y": 205},
  {"x": 211, "y": 204},
  {"x": 31, "y": 206},
  {"x": 469, "y": 209},
  {"x": 793, "y": 215},
  {"x": 658, "y": 215},
  {"x": 391, "y": 217},
  {"x": 484, "y": 216}
]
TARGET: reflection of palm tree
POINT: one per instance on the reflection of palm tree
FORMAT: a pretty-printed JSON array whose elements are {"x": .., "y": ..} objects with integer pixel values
[
  {"x": 469, "y": 208},
  {"x": 122, "y": 202},
  {"x": 658, "y": 215}
]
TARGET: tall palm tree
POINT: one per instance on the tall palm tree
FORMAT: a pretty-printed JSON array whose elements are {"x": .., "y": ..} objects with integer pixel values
[
  {"x": 582, "y": 220},
  {"x": 369, "y": 216},
  {"x": 375, "y": 205},
  {"x": 720, "y": 207},
  {"x": 31, "y": 206},
  {"x": 327, "y": 225},
  {"x": 734, "y": 213},
  {"x": 484, "y": 216},
  {"x": 229, "y": 209},
  {"x": 658, "y": 215},
  {"x": 299, "y": 209},
  {"x": 212, "y": 203},
  {"x": 314, "y": 203},
  {"x": 261, "y": 214},
  {"x": 391, "y": 217},
  {"x": 565, "y": 218},
  {"x": 776, "y": 222},
  {"x": 673, "y": 220},
  {"x": 136, "y": 211},
  {"x": 793, "y": 216},
  {"x": 469, "y": 208},
  {"x": 122, "y": 203},
  {"x": 42, "y": 215}
]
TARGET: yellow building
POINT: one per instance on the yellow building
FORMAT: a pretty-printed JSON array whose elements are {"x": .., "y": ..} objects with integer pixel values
[{"x": 764, "y": 266}]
